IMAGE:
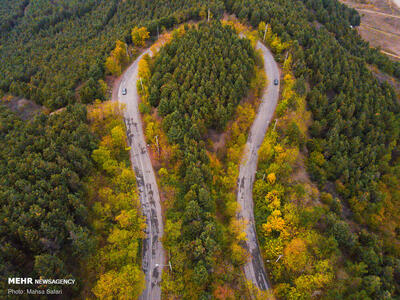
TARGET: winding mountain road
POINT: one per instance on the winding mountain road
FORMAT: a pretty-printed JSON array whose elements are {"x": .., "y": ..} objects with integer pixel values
[
  {"x": 153, "y": 252},
  {"x": 254, "y": 269},
  {"x": 153, "y": 256}
]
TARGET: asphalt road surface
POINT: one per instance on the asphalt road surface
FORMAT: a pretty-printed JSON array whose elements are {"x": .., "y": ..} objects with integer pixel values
[
  {"x": 153, "y": 257},
  {"x": 254, "y": 269}
]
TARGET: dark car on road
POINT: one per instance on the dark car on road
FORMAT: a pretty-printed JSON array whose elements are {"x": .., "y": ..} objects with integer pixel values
[
  {"x": 276, "y": 81},
  {"x": 123, "y": 91}
]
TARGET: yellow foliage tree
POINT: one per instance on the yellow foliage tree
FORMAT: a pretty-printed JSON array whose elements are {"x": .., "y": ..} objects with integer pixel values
[
  {"x": 271, "y": 178},
  {"x": 121, "y": 52},
  {"x": 261, "y": 27},
  {"x": 268, "y": 34},
  {"x": 296, "y": 256},
  {"x": 112, "y": 66},
  {"x": 237, "y": 229},
  {"x": 139, "y": 36},
  {"x": 103, "y": 87},
  {"x": 150, "y": 132},
  {"x": 245, "y": 116},
  {"x": 126, "y": 284},
  {"x": 117, "y": 59},
  {"x": 163, "y": 172},
  {"x": 273, "y": 247},
  {"x": 287, "y": 64},
  {"x": 273, "y": 200},
  {"x": 144, "y": 75},
  {"x": 266, "y": 151},
  {"x": 118, "y": 137},
  {"x": 275, "y": 224},
  {"x": 178, "y": 32},
  {"x": 238, "y": 254}
]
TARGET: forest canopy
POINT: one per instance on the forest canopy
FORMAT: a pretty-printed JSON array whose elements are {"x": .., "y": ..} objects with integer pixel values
[
  {"x": 198, "y": 79},
  {"x": 49, "y": 48},
  {"x": 43, "y": 215},
  {"x": 57, "y": 53}
]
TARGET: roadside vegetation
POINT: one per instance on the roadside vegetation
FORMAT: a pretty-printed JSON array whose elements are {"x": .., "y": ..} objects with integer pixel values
[
  {"x": 114, "y": 267},
  {"x": 298, "y": 257}
]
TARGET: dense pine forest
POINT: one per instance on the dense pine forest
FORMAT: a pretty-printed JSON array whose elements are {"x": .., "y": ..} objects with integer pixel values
[
  {"x": 68, "y": 201},
  {"x": 198, "y": 81},
  {"x": 43, "y": 212}
]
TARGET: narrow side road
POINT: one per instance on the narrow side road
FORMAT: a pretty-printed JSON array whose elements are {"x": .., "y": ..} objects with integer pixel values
[
  {"x": 153, "y": 256},
  {"x": 378, "y": 13},
  {"x": 254, "y": 269}
]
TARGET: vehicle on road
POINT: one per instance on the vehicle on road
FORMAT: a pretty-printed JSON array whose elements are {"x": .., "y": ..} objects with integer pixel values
[
  {"x": 124, "y": 91},
  {"x": 276, "y": 81}
]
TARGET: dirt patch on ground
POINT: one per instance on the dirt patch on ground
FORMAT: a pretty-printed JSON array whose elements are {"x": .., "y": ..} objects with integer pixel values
[
  {"x": 113, "y": 84},
  {"x": 301, "y": 176},
  {"x": 24, "y": 108},
  {"x": 218, "y": 139},
  {"x": 380, "y": 24}
]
